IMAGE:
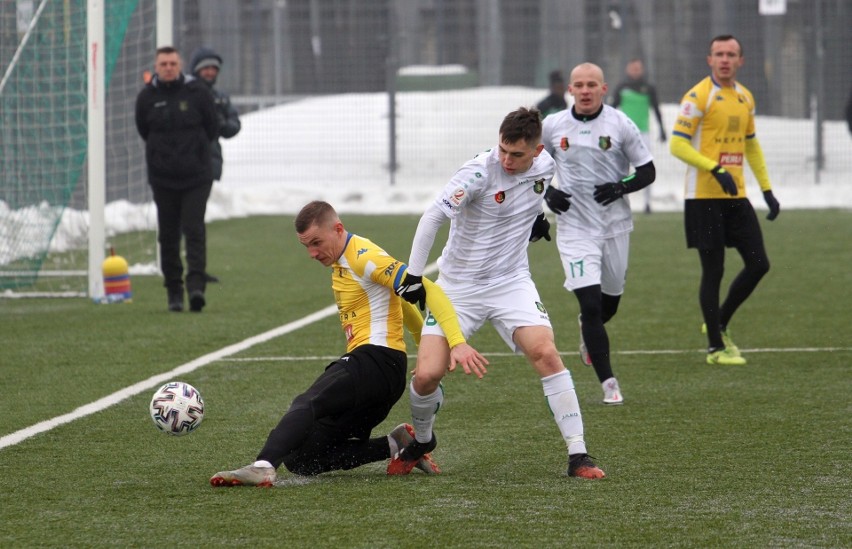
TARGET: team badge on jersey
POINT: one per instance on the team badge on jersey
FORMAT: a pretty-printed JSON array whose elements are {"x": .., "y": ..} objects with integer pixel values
[
  {"x": 605, "y": 142},
  {"x": 457, "y": 197},
  {"x": 183, "y": 106},
  {"x": 688, "y": 110},
  {"x": 563, "y": 144},
  {"x": 500, "y": 197},
  {"x": 538, "y": 186},
  {"x": 540, "y": 306}
]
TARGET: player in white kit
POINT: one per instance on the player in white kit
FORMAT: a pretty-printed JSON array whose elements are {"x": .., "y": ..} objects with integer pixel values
[
  {"x": 593, "y": 146},
  {"x": 494, "y": 205}
]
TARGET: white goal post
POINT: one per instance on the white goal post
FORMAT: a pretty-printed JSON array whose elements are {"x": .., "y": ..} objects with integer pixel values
[
  {"x": 97, "y": 130},
  {"x": 96, "y": 144}
]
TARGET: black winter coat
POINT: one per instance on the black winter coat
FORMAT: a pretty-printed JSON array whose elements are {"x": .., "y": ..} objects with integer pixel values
[
  {"x": 178, "y": 122},
  {"x": 229, "y": 118},
  {"x": 229, "y": 126}
]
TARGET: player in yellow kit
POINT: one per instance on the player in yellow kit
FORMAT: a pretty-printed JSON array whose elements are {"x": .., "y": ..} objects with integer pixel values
[
  {"x": 328, "y": 426},
  {"x": 714, "y": 134}
]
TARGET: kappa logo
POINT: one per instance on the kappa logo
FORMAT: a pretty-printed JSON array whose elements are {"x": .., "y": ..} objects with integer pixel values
[
  {"x": 361, "y": 251},
  {"x": 605, "y": 142},
  {"x": 563, "y": 144},
  {"x": 500, "y": 197}
]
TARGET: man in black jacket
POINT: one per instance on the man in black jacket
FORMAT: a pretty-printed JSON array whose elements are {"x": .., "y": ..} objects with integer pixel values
[
  {"x": 176, "y": 116},
  {"x": 206, "y": 64}
]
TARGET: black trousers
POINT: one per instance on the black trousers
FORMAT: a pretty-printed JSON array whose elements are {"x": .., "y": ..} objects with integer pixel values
[
  {"x": 181, "y": 213},
  {"x": 328, "y": 426}
]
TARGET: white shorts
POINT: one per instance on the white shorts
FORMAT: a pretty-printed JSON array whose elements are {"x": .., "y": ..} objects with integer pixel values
[
  {"x": 509, "y": 305},
  {"x": 590, "y": 261}
]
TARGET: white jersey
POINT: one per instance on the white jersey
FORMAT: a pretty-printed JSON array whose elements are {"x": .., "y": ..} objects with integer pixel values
[
  {"x": 591, "y": 152},
  {"x": 492, "y": 214}
]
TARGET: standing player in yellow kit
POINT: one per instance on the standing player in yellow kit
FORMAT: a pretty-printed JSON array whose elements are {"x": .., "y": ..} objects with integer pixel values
[{"x": 713, "y": 134}]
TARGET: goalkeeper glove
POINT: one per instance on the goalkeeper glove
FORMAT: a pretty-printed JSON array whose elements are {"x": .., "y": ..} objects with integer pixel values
[
  {"x": 608, "y": 193},
  {"x": 557, "y": 200},
  {"x": 725, "y": 179},
  {"x": 412, "y": 290},
  {"x": 541, "y": 228},
  {"x": 774, "y": 206}
]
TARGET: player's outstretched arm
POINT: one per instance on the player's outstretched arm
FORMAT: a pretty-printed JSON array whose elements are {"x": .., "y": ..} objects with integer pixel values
[
  {"x": 472, "y": 362},
  {"x": 413, "y": 320},
  {"x": 441, "y": 308}
]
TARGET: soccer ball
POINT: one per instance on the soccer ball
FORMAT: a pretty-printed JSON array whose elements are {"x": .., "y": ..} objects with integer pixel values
[{"x": 177, "y": 408}]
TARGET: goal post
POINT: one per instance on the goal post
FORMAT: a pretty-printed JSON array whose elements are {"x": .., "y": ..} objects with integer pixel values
[{"x": 96, "y": 81}]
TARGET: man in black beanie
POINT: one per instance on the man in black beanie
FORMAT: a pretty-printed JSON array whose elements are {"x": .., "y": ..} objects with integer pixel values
[{"x": 205, "y": 64}]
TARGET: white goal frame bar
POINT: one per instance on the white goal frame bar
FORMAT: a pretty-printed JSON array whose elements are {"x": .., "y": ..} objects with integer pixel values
[
  {"x": 96, "y": 154},
  {"x": 96, "y": 175}
]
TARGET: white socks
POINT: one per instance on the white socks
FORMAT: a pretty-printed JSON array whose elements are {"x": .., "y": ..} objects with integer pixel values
[
  {"x": 423, "y": 410},
  {"x": 562, "y": 399}
]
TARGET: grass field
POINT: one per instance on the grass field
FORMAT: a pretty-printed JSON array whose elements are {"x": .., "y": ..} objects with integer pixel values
[{"x": 699, "y": 456}]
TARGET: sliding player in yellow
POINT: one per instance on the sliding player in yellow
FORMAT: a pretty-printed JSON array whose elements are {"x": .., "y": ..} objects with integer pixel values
[
  {"x": 714, "y": 133},
  {"x": 328, "y": 426}
]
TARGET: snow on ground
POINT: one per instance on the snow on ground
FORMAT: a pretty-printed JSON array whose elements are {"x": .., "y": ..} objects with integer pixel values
[{"x": 335, "y": 148}]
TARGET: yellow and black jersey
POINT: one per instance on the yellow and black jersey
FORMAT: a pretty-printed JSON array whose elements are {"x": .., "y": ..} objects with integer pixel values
[
  {"x": 363, "y": 279},
  {"x": 718, "y": 121}
]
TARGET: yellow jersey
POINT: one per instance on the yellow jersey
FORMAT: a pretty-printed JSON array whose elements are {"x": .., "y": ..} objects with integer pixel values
[
  {"x": 363, "y": 279},
  {"x": 718, "y": 121}
]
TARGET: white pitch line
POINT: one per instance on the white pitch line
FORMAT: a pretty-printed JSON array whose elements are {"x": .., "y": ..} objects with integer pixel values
[
  {"x": 155, "y": 381},
  {"x": 507, "y": 354}
]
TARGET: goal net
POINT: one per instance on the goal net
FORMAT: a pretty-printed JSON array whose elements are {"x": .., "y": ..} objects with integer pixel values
[{"x": 44, "y": 180}]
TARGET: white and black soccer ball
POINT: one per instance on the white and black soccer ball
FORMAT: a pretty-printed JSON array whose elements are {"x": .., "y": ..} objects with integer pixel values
[{"x": 177, "y": 408}]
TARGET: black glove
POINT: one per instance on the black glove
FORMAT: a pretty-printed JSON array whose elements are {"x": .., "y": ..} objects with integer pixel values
[
  {"x": 412, "y": 290},
  {"x": 608, "y": 193},
  {"x": 774, "y": 206},
  {"x": 662, "y": 135},
  {"x": 541, "y": 228},
  {"x": 725, "y": 179},
  {"x": 557, "y": 200}
]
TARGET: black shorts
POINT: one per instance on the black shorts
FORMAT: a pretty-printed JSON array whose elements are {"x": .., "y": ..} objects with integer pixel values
[
  {"x": 721, "y": 222},
  {"x": 358, "y": 390}
]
